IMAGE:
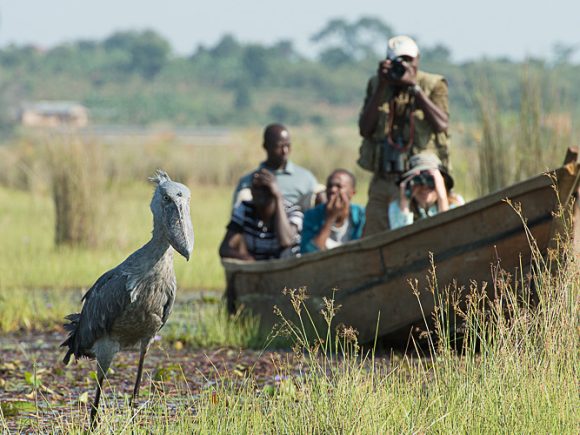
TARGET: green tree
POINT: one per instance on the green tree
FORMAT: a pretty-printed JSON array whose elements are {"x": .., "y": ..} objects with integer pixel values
[
  {"x": 335, "y": 57},
  {"x": 255, "y": 63},
  {"x": 14, "y": 56},
  {"x": 242, "y": 96},
  {"x": 358, "y": 40},
  {"x": 227, "y": 46},
  {"x": 563, "y": 53},
  {"x": 438, "y": 53},
  {"x": 146, "y": 52}
]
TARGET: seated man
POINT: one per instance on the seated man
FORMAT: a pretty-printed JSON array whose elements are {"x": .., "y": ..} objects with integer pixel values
[
  {"x": 424, "y": 191},
  {"x": 297, "y": 184},
  {"x": 338, "y": 220},
  {"x": 266, "y": 227}
]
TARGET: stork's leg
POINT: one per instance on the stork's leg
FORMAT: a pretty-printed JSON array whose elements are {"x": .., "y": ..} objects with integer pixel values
[
  {"x": 144, "y": 348},
  {"x": 103, "y": 364},
  {"x": 95, "y": 405}
]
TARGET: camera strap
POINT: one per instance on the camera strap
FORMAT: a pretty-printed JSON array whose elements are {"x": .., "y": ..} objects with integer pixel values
[{"x": 398, "y": 145}]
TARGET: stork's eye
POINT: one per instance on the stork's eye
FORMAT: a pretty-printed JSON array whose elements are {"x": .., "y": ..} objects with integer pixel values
[{"x": 166, "y": 198}]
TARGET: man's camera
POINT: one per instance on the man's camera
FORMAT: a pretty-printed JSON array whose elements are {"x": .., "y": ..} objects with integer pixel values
[{"x": 397, "y": 69}]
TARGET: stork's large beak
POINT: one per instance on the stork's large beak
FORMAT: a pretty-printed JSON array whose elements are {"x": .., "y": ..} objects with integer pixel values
[{"x": 180, "y": 230}]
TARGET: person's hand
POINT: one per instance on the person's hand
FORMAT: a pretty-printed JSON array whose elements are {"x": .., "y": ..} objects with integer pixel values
[
  {"x": 383, "y": 71},
  {"x": 267, "y": 179},
  {"x": 442, "y": 199},
  {"x": 248, "y": 257},
  {"x": 438, "y": 179},
  {"x": 336, "y": 206},
  {"x": 403, "y": 199}
]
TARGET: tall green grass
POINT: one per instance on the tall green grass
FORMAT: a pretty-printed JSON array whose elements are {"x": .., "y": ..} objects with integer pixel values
[{"x": 513, "y": 147}]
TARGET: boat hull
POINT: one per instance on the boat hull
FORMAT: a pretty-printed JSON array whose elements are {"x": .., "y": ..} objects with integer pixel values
[{"x": 372, "y": 276}]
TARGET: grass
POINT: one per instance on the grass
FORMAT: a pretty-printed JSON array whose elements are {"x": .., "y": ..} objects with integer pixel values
[
  {"x": 30, "y": 259},
  {"x": 515, "y": 373},
  {"x": 24, "y": 309},
  {"x": 203, "y": 322}
]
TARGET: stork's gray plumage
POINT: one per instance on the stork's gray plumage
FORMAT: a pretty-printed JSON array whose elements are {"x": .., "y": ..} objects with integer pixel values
[{"x": 130, "y": 303}]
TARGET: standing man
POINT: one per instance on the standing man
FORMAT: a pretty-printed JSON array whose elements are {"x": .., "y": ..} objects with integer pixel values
[
  {"x": 296, "y": 183},
  {"x": 337, "y": 221},
  {"x": 405, "y": 111}
]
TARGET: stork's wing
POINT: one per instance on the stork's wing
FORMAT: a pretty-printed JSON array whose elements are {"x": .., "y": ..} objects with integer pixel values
[{"x": 104, "y": 302}]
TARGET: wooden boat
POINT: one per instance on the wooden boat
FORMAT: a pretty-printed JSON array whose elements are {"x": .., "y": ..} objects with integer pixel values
[{"x": 372, "y": 275}]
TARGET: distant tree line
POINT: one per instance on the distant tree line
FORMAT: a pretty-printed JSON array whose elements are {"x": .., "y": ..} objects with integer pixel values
[{"x": 133, "y": 77}]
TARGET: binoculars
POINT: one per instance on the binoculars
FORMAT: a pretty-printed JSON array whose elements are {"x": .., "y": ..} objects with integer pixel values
[{"x": 393, "y": 160}]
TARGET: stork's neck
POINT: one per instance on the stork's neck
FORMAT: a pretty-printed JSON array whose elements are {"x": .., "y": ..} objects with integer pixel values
[{"x": 158, "y": 248}]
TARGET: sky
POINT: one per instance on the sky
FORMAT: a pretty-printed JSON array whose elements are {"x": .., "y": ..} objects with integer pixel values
[{"x": 493, "y": 28}]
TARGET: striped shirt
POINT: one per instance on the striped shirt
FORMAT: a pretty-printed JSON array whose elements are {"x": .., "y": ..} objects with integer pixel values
[{"x": 260, "y": 238}]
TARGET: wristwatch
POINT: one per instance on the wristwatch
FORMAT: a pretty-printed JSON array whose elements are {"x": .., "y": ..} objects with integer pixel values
[{"x": 415, "y": 89}]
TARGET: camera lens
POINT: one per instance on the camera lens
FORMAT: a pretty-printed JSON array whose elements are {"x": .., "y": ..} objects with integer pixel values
[{"x": 397, "y": 69}]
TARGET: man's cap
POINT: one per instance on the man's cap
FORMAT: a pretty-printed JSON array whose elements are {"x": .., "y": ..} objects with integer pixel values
[
  {"x": 425, "y": 161},
  {"x": 402, "y": 46}
]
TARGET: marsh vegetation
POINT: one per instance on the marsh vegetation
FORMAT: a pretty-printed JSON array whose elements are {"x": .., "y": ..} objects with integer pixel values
[{"x": 514, "y": 370}]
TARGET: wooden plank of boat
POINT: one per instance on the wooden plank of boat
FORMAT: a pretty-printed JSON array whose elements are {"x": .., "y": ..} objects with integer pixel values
[{"x": 372, "y": 275}]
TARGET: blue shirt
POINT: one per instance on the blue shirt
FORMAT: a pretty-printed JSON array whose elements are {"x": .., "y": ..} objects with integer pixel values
[
  {"x": 314, "y": 220},
  {"x": 296, "y": 184}
]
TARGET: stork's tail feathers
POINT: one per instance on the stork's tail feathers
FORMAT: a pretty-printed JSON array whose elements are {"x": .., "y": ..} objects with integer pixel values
[{"x": 71, "y": 328}]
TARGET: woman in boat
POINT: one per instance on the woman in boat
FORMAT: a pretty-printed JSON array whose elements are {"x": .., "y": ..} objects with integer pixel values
[{"x": 424, "y": 190}]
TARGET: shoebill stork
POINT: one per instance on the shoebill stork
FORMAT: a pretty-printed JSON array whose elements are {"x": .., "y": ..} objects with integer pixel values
[{"x": 130, "y": 303}]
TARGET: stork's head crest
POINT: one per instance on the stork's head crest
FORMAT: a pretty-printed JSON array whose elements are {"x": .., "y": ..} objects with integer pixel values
[{"x": 159, "y": 177}]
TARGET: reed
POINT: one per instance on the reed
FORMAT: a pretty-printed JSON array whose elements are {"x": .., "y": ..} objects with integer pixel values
[
  {"x": 77, "y": 183},
  {"x": 494, "y": 150},
  {"x": 513, "y": 147}
]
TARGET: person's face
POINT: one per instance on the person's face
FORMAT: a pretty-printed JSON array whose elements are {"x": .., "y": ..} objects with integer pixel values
[
  {"x": 337, "y": 184},
  {"x": 424, "y": 195},
  {"x": 278, "y": 149},
  {"x": 413, "y": 62}
]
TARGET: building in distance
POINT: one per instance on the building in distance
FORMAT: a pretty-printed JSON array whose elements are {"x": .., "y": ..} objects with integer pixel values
[{"x": 53, "y": 114}]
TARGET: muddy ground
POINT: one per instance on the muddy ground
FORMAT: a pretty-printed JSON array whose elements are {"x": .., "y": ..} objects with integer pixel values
[{"x": 36, "y": 388}]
